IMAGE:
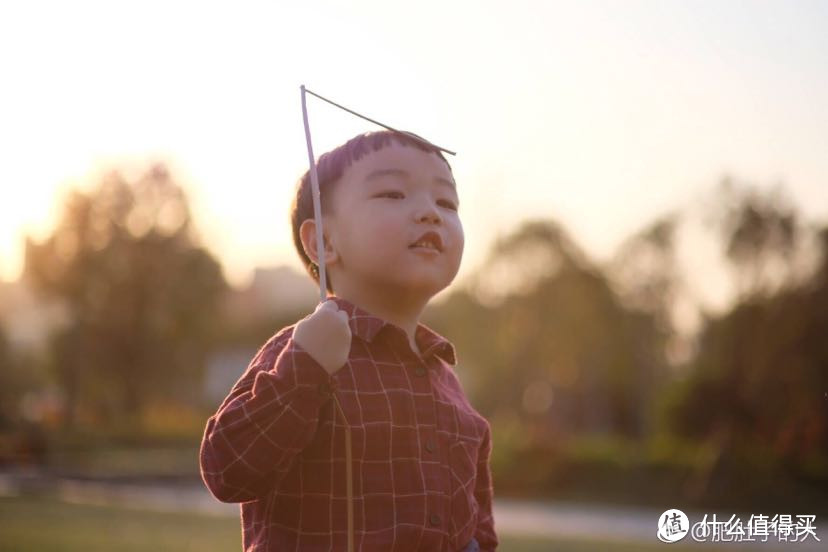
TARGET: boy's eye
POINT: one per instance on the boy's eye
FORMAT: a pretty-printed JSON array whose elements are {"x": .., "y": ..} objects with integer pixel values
[{"x": 448, "y": 204}]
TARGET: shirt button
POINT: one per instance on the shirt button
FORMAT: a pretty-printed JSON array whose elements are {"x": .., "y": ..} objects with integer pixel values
[
  {"x": 430, "y": 446},
  {"x": 434, "y": 519},
  {"x": 420, "y": 371}
]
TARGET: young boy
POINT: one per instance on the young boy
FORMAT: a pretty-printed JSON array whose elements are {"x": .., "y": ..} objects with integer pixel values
[{"x": 418, "y": 451}]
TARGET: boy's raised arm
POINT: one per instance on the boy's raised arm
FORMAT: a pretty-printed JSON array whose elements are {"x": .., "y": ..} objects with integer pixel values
[
  {"x": 269, "y": 416},
  {"x": 483, "y": 492},
  {"x": 272, "y": 412}
]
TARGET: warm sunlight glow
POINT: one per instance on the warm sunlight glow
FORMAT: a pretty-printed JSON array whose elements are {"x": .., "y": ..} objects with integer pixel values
[{"x": 600, "y": 115}]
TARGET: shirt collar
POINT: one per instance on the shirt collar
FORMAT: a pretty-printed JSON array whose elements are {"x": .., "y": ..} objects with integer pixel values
[{"x": 366, "y": 326}]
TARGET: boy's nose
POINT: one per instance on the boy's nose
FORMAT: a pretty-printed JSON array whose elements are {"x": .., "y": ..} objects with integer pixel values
[{"x": 428, "y": 213}]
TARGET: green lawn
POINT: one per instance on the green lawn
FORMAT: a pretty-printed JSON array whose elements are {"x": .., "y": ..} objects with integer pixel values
[{"x": 41, "y": 524}]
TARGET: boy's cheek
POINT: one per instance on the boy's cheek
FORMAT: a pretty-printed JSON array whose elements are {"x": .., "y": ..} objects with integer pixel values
[
  {"x": 459, "y": 236},
  {"x": 385, "y": 226}
]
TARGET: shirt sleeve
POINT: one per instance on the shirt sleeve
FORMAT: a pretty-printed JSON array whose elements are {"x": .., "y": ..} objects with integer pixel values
[
  {"x": 483, "y": 492},
  {"x": 269, "y": 416}
]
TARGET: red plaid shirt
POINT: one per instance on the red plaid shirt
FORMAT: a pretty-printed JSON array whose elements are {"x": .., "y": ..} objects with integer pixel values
[{"x": 420, "y": 451}]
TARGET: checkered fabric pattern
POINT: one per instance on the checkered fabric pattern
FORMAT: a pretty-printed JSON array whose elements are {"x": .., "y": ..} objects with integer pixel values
[{"x": 421, "y": 475}]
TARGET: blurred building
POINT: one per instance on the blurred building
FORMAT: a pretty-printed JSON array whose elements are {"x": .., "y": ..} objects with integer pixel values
[
  {"x": 25, "y": 318},
  {"x": 272, "y": 291}
]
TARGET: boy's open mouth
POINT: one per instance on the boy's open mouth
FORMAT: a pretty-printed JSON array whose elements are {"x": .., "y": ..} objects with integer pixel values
[{"x": 429, "y": 240}]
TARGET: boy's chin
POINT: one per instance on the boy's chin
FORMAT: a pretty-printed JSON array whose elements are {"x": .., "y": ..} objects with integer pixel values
[
  {"x": 430, "y": 289},
  {"x": 425, "y": 286}
]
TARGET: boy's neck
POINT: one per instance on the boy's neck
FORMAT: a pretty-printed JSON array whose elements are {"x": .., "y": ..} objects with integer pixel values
[{"x": 403, "y": 312}]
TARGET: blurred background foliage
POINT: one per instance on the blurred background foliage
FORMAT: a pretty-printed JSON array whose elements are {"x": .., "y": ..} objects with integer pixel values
[{"x": 591, "y": 390}]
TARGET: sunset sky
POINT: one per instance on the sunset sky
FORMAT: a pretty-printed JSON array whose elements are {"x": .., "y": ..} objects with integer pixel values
[{"x": 599, "y": 114}]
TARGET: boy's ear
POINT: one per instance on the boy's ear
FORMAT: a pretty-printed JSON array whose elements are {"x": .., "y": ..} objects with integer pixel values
[{"x": 307, "y": 232}]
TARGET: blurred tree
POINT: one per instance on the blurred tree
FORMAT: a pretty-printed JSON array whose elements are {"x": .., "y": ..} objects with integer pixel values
[
  {"x": 141, "y": 292},
  {"x": 758, "y": 390},
  {"x": 645, "y": 272},
  {"x": 760, "y": 233},
  {"x": 552, "y": 343}
]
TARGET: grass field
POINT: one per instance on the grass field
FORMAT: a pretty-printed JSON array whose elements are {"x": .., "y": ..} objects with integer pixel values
[{"x": 42, "y": 524}]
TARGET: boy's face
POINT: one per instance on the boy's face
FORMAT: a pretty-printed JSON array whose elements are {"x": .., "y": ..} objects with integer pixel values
[{"x": 382, "y": 205}]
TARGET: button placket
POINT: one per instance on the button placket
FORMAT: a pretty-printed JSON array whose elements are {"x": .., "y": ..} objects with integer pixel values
[
  {"x": 327, "y": 388},
  {"x": 435, "y": 501}
]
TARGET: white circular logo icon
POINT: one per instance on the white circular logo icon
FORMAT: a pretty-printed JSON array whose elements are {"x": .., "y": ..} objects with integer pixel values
[{"x": 672, "y": 526}]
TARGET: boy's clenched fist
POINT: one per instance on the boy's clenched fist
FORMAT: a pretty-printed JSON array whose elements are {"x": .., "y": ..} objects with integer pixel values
[{"x": 325, "y": 335}]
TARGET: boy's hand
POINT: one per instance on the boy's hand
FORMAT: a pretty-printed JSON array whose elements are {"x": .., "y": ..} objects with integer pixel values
[{"x": 325, "y": 335}]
